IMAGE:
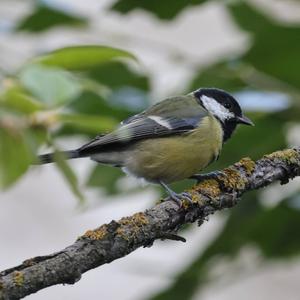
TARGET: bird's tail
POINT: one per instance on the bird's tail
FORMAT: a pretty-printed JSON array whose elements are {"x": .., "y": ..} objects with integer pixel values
[{"x": 50, "y": 157}]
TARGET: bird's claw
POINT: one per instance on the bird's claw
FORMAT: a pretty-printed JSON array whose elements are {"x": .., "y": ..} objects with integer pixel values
[{"x": 179, "y": 198}]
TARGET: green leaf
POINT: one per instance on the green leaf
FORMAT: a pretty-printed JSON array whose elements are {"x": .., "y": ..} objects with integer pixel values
[
  {"x": 116, "y": 74},
  {"x": 93, "y": 106},
  {"x": 275, "y": 49},
  {"x": 279, "y": 237},
  {"x": 92, "y": 124},
  {"x": 17, "y": 99},
  {"x": 69, "y": 175},
  {"x": 128, "y": 87},
  {"x": 224, "y": 75},
  {"x": 166, "y": 9},
  {"x": 44, "y": 17},
  {"x": 250, "y": 18},
  {"x": 105, "y": 177},
  {"x": 15, "y": 157},
  {"x": 82, "y": 57},
  {"x": 17, "y": 149},
  {"x": 50, "y": 85}
]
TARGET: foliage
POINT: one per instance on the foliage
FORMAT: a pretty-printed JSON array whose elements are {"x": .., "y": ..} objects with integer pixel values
[
  {"x": 44, "y": 17},
  {"x": 44, "y": 100},
  {"x": 167, "y": 9}
]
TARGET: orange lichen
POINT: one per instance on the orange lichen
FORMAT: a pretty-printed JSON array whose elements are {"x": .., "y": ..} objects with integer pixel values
[
  {"x": 197, "y": 198},
  {"x": 135, "y": 223},
  {"x": 232, "y": 179},
  {"x": 137, "y": 219},
  {"x": 18, "y": 278},
  {"x": 248, "y": 164},
  {"x": 185, "y": 203},
  {"x": 96, "y": 234},
  {"x": 289, "y": 156},
  {"x": 122, "y": 232},
  {"x": 209, "y": 187}
]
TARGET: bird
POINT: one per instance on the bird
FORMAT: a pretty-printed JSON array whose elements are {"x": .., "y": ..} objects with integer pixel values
[{"x": 170, "y": 141}]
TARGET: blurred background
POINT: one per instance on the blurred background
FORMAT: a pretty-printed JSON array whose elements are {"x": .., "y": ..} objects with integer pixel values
[{"x": 72, "y": 69}]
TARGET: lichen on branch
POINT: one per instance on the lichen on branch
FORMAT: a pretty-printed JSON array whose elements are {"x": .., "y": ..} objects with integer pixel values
[{"x": 119, "y": 238}]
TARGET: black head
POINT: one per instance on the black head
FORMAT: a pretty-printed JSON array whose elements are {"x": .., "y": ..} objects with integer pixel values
[{"x": 224, "y": 107}]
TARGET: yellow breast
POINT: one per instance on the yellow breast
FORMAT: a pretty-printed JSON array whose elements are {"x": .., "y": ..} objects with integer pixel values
[{"x": 177, "y": 157}]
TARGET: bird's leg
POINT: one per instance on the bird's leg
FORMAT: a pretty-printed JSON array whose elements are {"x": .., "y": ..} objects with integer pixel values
[
  {"x": 177, "y": 198},
  {"x": 212, "y": 175}
]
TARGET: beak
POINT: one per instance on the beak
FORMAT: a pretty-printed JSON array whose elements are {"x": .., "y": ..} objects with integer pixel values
[{"x": 244, "y": 120}]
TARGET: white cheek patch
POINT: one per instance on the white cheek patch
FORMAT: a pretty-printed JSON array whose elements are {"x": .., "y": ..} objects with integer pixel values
[
  {"x": 161, "y": 121},
  {"x": 216, "y": 109}
]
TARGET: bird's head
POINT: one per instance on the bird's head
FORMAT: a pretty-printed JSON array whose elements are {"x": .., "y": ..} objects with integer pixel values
[{"x": 222, "y": 106}]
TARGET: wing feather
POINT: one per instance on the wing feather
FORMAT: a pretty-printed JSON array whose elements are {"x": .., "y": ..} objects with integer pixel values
[
  {"x": 137, "y": 130},
  {"x": 154, "y": 122}
]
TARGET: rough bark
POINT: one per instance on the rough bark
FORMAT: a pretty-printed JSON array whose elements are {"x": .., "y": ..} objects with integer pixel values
[{"x": 119, "y": 238}]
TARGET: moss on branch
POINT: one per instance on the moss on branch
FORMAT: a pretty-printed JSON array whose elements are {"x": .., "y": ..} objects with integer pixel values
[{"x": 119, "y": 238}]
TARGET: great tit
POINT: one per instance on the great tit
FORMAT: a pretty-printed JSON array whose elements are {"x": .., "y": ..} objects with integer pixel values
[{"x": 170, "y": 141}]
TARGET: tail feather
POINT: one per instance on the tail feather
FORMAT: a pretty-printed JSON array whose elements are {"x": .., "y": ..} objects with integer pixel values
[{"x": 49, "y": 157}]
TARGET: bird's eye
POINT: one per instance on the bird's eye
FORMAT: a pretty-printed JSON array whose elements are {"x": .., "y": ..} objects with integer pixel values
[{"x": 227, "y": 105}]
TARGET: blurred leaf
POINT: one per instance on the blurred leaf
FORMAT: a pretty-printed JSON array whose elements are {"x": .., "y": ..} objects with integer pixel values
[
  {"x": 224, "y": 75},
  {"x": 17, "y": 148},
  {"x": 93, "y": 124},
  {"x": 82, "y": 57},
  {"x": 17, "y": 99},
  {"x": 69, "y": 175},
  {"x": 96, "y": 108},
  {"x": 50, "y": 85},
  {"x": 250, "y": 19},
  {"x": 275, "y": 49},
  {"x": 128, "y": 87},
  {"x": 15, "y": 157},
  {"x": 93, "y": 106},
  {"x": 116, "y": 74},
  {"x": 279, "y": 237},
  {"x": 292, "y": 114},
  {"x": 44, "y": 17},
  {"x": 105, "y": 177},
  {"x": 166, "y": 9}
]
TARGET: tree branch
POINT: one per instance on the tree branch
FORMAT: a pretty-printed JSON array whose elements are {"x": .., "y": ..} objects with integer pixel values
[{"x": 119, "y": 238}]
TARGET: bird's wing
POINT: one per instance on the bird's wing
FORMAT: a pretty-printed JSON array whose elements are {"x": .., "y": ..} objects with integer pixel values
[
  {"x": 148, "y": 127},
  {"x": 149, "y": 124}
]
